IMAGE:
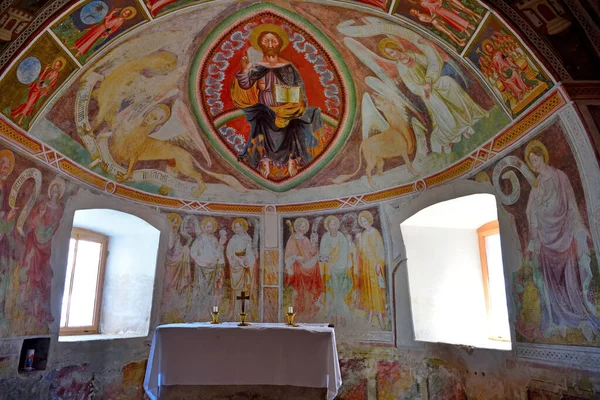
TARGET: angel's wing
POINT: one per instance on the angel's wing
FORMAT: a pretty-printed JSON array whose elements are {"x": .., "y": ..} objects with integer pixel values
[
  {"x": 384, "y": 69},
  {"x": 372, "y": 120},
  {"x": 181, "y": 127}
]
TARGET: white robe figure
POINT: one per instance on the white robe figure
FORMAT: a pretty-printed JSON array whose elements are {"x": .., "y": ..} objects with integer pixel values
[{"x": 240, "y": 255}]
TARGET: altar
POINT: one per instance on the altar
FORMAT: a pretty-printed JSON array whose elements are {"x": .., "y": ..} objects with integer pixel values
[{"x": 186, "y": 357}]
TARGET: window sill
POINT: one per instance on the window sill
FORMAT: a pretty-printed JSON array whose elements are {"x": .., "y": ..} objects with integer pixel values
[{"x": 99, "y": 336}]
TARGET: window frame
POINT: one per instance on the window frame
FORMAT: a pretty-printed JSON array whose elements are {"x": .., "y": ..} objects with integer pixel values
[
  {"x": 84, "y": 234},
  {"x": 485, "y": 230}
]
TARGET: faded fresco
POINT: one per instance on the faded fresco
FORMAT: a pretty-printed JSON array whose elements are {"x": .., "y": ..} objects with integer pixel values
[
  {"x": 32, "y": 80},
  {"x": 420, "y": 106},
  {"x": 509, "y": 68},
  {"x": 152, "y": 140},
  {"x": 210, "y": 261},
  {"x": 31, "y": 206},
  {"x": 557, "y": 288},
  {"x": 336, "y": 270},
  {"x": 90, "y": 27},
  {"x": 454, "y": 21}
]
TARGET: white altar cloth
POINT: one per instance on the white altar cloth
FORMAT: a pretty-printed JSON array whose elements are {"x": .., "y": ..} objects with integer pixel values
[{"x": 260, "y": 354}]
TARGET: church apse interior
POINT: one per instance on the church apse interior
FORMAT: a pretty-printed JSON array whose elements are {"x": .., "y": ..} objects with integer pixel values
[{"x": 338, "y": 156}]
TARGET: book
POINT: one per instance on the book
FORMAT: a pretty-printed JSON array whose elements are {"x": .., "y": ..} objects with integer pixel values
[{"x": 287, "y": 94}]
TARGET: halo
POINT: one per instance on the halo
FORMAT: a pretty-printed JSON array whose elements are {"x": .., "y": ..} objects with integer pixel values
[
  {"x": 63, "y": 62},
  {"x": 175, "y": 217},
  {"x": 207, "y": 220},
  {"x": 329, "y": 219},
  {"x": 163, "y": 107},
  {"x": 532, "y": 145},
  {"x": 487, "y": 41},
  {"x": 133, "y": 12},
  {"x": 241, "y": 221},
  {"x": 11, "y": 157},
  {"x": 278, "y": 30},
  {"x": 299, "y": 221},
  {"x": 367, "y": 214},
  {"x": 385, "y": 43},
  {"x": 61, "y": 187}
]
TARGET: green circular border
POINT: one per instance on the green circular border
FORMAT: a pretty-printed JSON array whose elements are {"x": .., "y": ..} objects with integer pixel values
[{"x": 346, "y": 80}]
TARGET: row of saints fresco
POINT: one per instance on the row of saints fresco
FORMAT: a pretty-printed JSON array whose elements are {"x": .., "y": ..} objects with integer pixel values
[{"x": 333, "y": 266}]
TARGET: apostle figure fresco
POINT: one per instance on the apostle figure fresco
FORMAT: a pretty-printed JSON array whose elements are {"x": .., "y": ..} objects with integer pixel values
[
  {"x": 210, "y": 260},
  {"x": 554, "y": 296},
  {"x": 336, "y": 271},
  {"x": 89, "y": 28},
  {"x": 29, "y": 218}
]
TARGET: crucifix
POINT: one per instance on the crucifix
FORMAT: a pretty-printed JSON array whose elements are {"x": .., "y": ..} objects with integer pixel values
[{"x": 243, "y": 297}]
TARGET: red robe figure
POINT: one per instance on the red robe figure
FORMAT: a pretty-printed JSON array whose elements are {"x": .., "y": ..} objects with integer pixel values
[
  {"x": 303, "y": 273},
  {"x": 112, "y": 22},
  {"x": 38, "y": 89},
  {"x": 40, "y": 226}
]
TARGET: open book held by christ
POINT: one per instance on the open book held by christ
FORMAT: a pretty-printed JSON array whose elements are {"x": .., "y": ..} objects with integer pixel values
[{"x": 287, "y": 94}]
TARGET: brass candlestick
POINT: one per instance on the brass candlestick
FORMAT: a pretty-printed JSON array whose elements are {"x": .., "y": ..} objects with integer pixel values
[
  {"x": 215, "y": 317},
  {"x": 243, "y": 320},
  {"x": 290, "y": 317}
]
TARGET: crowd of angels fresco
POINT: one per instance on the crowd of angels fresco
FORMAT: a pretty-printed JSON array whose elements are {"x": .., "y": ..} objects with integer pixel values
[
  {"x": 31, "y": 206},
  {"x": 557, "y": 288}
]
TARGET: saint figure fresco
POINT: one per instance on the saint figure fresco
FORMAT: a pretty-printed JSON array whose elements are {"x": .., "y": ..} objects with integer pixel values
[
  {"x": 102, "y": 30},
  {"x": 38, "y": 90},
  {"x": 272, "y": 94},
  {"x": 242, "y": 261},
  {"x": 559, "y": 247}
]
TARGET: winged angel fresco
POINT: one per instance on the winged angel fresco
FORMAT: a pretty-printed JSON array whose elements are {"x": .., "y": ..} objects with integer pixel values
[
  {"x": 408, "y": 58},
  {"x": 142, "y": 117}
]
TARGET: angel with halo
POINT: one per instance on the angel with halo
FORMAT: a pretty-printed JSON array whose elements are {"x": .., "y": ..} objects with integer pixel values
[{"x": 409, "y": 58}]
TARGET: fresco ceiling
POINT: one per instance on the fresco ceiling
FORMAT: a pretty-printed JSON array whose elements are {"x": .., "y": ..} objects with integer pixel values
[{"x": 180, "y": 102}]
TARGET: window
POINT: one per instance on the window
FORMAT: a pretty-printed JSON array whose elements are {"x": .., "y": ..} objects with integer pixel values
[
  {"x": 492, "y": 273},
  {"x": 448, "y": 298},
  {"x": 82, "y": 295}
]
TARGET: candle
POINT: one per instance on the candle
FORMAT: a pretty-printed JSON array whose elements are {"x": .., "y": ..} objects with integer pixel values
[
  {"x": 290, "y": 310},
  {"x": 215, "y": 309}
]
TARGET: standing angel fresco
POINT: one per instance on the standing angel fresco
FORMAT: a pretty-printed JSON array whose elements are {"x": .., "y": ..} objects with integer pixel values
[
  {"x": 335, "y": 258},
  {"x": 271, "y": 92},
  {"x": 371, "y": 270},
  {"x": 418, "y": 63},
  {"x": 7, "y": 224},
  {"x": 558, "y": 244},
  {"x": 303, "y": 274},
  {"x": 242, "y": 261}
]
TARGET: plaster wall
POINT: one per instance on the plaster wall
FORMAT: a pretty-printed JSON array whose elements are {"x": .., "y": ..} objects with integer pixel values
[{"x": 444, "y": 271}]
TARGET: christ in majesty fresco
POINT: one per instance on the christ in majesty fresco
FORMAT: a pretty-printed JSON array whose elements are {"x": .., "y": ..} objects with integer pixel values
[{"x": 271, "y": 92}]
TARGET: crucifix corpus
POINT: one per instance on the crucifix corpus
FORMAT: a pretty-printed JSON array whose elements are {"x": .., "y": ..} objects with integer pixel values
[{"x": 243, "y": 297}]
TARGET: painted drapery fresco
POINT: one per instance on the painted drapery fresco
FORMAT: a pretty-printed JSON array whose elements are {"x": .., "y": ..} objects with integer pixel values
[
  {"x": 90, "y": 27},
  {"x": 35, "y": 77},
  {"x": 287, "y": 105},
  {"x": 210, "y": 261},
  {"x": 510, "y": 69},
  {"x": 454, "y": 21},
  {"x": 556, "y": 290},
  {"x": 336, "y": 270},
  {"x": 31, "y": 202},
  {"x": 419, "y": 100}
]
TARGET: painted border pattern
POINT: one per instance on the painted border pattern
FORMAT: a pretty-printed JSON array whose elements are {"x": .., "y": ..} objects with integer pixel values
[{"x": 15, "y": 137}]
